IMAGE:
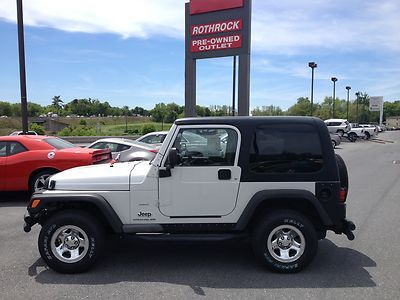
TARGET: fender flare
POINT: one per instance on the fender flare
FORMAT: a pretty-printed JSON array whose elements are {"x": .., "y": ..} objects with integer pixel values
[
  {"x": 49, "y": 200},
  {"x": 270, "y": 195}
]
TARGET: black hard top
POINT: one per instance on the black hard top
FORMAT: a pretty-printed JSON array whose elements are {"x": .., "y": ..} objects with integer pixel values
[{"x": 246, "y": 121}]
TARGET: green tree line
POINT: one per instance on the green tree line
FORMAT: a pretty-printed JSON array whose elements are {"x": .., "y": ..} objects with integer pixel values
[{"x": 358, "y": 110}]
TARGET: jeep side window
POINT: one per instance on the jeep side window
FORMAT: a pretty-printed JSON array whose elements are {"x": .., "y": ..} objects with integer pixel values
[
  {"x": 206, "y": 147},
  {"x": 284, "y": 148}
]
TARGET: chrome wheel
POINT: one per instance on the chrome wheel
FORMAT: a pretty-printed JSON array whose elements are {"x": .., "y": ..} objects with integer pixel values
[
  {"x": 40, "y": 181},
  {"x": 69, "y": 244},
  {"x": 286, "y": 243}
]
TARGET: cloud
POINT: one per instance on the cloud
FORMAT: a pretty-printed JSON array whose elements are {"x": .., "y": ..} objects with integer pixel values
[{"x": 285, "y": 26}]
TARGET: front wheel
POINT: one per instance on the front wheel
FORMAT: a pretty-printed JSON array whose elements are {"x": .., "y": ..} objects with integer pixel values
[
  {"x": 70, "y": 241},
  {"x": 285, "y": 241}
]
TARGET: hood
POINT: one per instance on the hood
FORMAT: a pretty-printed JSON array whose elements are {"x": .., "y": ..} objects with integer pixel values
[{"x": 101, "y": 177}]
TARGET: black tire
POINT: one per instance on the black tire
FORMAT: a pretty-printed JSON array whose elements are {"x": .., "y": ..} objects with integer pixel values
[
  {"x": 333, "y": 144},
  {"x": 73, "y": 225},
  {"x": 343, "y": 174},
  {"x": 291, "y": 222},
  {"x": 44, "y": 174},
  {"x": 352, "y": 136},
  {"x": 367, "y": 135}
]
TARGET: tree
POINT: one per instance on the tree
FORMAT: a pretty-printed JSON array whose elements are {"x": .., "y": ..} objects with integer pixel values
[
  {"x": 158, "y": 112},
  {"x": 301, "y": 108},
  {"x": 5, "y": 109},
  {"x": 57, "y": 102}
]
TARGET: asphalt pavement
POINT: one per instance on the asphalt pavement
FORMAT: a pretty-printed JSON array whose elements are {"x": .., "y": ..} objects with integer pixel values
[{"x": 366, "y": 268}]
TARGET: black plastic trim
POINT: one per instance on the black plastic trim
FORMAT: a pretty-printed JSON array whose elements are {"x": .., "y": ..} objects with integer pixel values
[
  {"x": 268, "y": 195},
  {"x": 49, "y": 200}
]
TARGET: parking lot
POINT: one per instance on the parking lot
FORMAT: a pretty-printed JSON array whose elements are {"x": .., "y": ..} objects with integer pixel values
[{"x": 366, "y": 268}]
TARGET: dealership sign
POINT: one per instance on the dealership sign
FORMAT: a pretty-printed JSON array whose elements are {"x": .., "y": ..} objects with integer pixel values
[
  {"x": 216, "y": 28},
  {"x": 376, "y": 103}
]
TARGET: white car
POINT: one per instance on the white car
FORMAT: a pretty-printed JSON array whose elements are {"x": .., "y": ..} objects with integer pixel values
[
  {"x": 153, "y": 138},
  {"x": 339, "y": 126},
  {"x": 22, "y": 133},
  {"x": 369, "y": 130},
  {"x": 128, "y": 150}
]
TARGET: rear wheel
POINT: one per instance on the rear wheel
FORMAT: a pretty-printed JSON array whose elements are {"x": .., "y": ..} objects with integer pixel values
[
  {"x": 70, "y": 241},
  {"x": 37, "y": 181},
  {"x": 333, "y": 144},
  {"x": 285, "y": 241},
  {"x": 367, "y": 135},
  {"x": 352, "y": 136}
]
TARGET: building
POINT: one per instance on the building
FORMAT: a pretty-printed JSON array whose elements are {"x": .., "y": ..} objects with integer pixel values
[
  {"x": 393, "y": 122},
  {"x": 49, "y": 124}
]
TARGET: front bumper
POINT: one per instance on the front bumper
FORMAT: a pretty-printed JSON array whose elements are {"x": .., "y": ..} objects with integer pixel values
[{"x": 29, "y": 221}]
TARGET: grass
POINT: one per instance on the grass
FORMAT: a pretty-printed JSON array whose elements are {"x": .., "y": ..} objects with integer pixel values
[
  {"x": 108, "y": 126},
  {"x": 132, "y": 127}
]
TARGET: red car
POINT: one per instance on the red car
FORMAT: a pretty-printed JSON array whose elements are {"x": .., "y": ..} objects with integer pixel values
[{"x": 26, "y": 161}]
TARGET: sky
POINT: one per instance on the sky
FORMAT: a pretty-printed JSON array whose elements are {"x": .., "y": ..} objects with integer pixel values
[{"x": 131, "y": 52}]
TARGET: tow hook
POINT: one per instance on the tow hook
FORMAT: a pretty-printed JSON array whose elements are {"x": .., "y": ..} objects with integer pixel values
[{"x": 348, "y": 227}]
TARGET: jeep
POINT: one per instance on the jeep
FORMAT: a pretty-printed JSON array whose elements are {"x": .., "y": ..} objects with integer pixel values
[{"x": 273, "y": 180}]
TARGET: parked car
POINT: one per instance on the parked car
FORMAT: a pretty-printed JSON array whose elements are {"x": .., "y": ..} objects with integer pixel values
[
  {"x": 153, "y": 138},
  {"x": 335, "y": 139},
  {"x": 31, "y": 132},
  {"x": 356, "y": 132},
  {"x": 281, "y": 194},
  {"x": 26, "y": 161},
  {"x": 128, "y": 150},
  {"x": 369, "y": 130},
  {"x": 339, "y": 126}
]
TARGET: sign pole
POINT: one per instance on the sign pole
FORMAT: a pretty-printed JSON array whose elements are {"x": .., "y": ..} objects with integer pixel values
[
  {"x": 234, "y": 86},
  {"x": 22, "y": 76}
]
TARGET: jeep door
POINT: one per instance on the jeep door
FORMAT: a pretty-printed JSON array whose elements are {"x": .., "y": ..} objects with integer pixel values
[{"x": 205, "y": 181}]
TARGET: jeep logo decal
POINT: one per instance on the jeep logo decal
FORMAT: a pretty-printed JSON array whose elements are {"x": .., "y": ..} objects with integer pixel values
[{"x": 144, "y": 214}]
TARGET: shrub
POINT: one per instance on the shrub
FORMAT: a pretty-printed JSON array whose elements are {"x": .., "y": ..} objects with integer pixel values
[
  {"x": 147, "y": 128},
  {"x": 37, "y": 128}
]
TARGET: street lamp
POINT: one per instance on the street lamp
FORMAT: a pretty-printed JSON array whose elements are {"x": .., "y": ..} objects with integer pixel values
[
  {"x": 312, "y": 65},
  {"x": 348, "y": 88},
  {"x": 22, "y": 76},
  {"x": 358, "y": 95},
  {"x": 334, "y": 79}
]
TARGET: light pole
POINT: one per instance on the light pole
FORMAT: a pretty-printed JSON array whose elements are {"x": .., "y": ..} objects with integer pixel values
[
  {"x": 348, "y": 88},
  {"x": 22, "y": 77},
  {"x": 312, "y": 65},
  {"x": 358, "y": 95},
  {"x": 334, "y": 79}
]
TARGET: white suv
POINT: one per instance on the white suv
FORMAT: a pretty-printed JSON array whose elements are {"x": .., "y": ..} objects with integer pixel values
[{"x": 339, "y": 126}]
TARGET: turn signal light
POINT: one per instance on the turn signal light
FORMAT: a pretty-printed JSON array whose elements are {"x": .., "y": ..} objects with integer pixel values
[{"x": 35, "y": 203}]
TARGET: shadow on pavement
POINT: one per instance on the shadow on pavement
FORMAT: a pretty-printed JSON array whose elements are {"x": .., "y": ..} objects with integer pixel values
[
  {"x": 212, "y": 265},
  {"x": 14, "y": 199}
]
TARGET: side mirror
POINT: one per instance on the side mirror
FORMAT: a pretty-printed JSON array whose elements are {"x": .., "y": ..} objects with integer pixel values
[{"x": 172, "y": 157}]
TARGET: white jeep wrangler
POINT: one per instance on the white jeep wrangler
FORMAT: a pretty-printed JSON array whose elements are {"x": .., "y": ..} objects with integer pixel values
[{"x": 274, "y": 179}]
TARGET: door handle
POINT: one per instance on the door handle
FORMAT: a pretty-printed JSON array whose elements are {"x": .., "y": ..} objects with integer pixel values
[{"x": 224, "y": 174}]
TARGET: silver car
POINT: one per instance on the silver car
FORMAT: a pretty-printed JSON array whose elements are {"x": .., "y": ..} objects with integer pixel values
[
  {"x": 335, "y": 139},
  {"x": 153, "y": 138},
  {"x": 128, "y": 150}
]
